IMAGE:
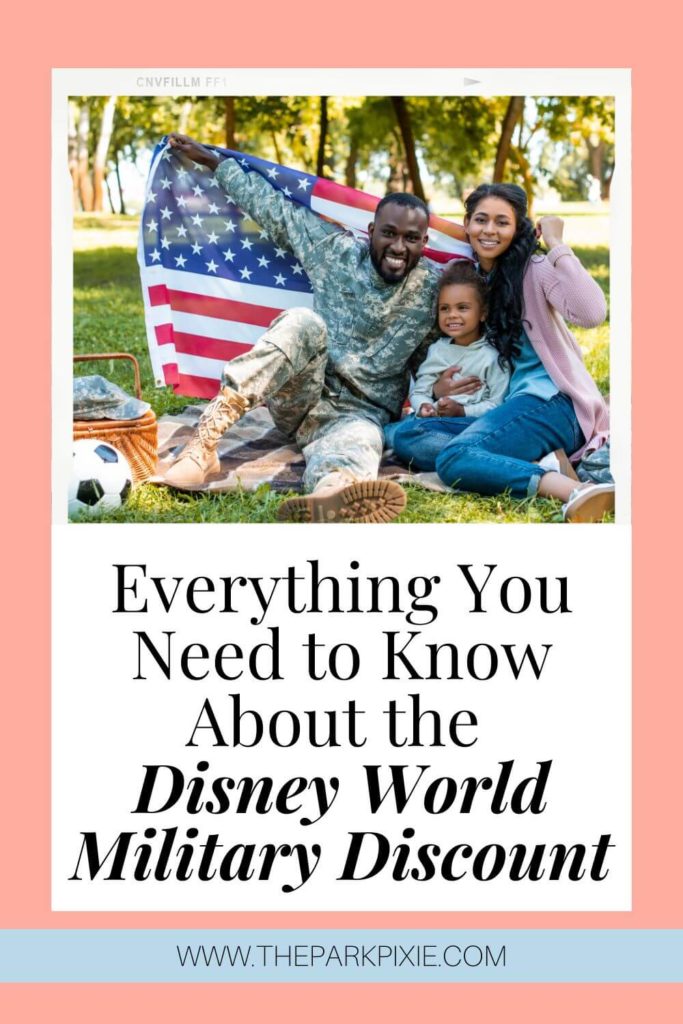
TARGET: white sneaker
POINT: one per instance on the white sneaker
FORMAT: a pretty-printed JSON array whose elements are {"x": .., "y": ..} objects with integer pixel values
[{"x": 589, "y": 504}]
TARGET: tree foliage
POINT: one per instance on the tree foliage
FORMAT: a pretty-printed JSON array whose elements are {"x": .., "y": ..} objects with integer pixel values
[
  {"x": 583, "y": 128},
  {"x": 423, "y": 144}
]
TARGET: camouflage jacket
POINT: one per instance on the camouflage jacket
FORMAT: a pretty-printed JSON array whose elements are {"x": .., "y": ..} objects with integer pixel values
[{"x": 377, "y": 332}]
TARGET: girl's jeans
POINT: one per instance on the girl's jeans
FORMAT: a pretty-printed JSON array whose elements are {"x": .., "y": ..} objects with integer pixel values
[{"x": 492, "y": 453}]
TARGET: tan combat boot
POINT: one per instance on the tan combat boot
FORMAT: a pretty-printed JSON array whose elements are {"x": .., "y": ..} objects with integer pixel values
[
  {"x": 199, "y": 459},
  {"x": 338, "y": 498}
]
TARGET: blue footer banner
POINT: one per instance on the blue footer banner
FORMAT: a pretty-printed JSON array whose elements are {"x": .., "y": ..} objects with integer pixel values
[{"x": 338, "y": 955}]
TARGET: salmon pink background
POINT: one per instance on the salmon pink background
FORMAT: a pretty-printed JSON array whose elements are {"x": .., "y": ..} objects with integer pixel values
[{"x": 354, "y": 34}]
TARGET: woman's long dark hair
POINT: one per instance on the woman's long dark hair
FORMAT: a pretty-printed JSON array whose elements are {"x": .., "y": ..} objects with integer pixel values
[{"x": 505, "y": 304}]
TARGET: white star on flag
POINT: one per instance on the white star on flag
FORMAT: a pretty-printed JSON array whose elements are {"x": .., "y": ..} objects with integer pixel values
[
  {"x": 156, "y": 255},
  {"x": 229, "y": 255},
  {"x": 197, "y": 248},
  {"x": 212, "y": 267},
  {"x": 279, "y": 279},
  {"x": 180, "y": 261},
  {"x": 304, "y": 183},
  {"x": 245, "y": 273}
]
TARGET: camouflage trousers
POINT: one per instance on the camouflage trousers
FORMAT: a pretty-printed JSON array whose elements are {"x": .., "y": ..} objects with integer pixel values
[{"x": 336, "y": 431}]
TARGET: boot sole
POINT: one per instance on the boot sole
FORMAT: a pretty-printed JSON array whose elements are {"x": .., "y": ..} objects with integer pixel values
[{"x": 369, "y": 501}]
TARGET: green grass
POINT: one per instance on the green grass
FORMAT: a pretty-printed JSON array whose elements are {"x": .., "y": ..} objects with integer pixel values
[
  {"x": 108, "y": 316},
  {"x": 152, "y": 504}
]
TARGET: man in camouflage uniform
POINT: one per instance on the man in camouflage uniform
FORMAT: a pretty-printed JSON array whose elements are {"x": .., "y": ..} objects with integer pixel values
[{"x": 334, "y": 376}]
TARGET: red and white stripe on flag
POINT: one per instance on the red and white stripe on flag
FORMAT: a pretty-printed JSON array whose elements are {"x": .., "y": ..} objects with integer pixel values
[{"x": 198, "y": 323}]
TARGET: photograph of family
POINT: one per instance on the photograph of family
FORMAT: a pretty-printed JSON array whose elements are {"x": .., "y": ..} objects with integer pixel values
[{"x": 330, "y": 309}]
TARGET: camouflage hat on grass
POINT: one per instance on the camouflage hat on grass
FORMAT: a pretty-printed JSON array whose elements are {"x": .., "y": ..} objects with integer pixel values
[{"x": 96, "y": 398}]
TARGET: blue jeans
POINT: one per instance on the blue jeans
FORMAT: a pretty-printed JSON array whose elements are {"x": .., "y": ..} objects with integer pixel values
[{"x": 493, "y": 453}]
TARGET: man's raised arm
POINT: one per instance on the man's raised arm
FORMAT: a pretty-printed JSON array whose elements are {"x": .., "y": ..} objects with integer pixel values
[{"x": 287, "y": 223}]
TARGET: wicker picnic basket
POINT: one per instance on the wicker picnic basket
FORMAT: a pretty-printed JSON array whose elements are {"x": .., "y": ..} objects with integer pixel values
[{"x": 136, "y": 439}]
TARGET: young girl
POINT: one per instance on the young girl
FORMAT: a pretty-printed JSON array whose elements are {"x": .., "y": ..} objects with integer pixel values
[
  {"x": 553, "y": 401},
  {"x": 462, "y": 312}
]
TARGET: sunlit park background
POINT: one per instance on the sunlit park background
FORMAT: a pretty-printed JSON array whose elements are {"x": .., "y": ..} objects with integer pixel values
[{"x": 560, "y": 149}]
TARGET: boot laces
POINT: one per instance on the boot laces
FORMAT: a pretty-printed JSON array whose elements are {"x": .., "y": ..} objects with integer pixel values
[
  {"x": 220, "y": 414},
  {"x": 197, "y": 450}
]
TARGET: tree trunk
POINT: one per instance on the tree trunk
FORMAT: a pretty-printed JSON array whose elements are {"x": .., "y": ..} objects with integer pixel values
[
  {"x": 118, "y": 183},
  {"x": 276, "y": 147},
  {"x": 73, "y": 154},
  {"x": 398, "y": 179},
  {"x": 606, "y": 185},
  {"x": 102, "y": 150},
  {"x": 513, "y": 115},
  {"x": 84, "y": 183},
  {"x": 109, "y": 195},
  {"x": 596, "y": 163},
  {"x": 405, "y": 126},
  {"x": 230, "y": 122},
  {"x": 351, "y": 161},
  {"x": 322, "y": 138},
  {"x": 596, "y": 152},
  {"x": 184, "y": 118},
  {"x": 525, "y": 167}
]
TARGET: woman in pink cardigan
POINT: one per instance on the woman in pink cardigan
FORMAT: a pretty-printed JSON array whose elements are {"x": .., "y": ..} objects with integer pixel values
[{"x": 553, "y": 402}]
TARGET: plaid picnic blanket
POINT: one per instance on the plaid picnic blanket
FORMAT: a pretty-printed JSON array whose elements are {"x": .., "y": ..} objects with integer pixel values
[{"x": 254, "y": 452}]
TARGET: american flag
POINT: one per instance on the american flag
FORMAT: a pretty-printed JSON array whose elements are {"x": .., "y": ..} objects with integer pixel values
[{"x": 212, "y": 280}]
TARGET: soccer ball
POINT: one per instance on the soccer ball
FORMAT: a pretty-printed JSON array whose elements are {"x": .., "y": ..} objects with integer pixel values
[{"x": 101, "y": 478}]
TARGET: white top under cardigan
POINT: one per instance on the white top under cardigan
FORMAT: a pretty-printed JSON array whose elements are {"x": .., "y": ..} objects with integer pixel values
[{"x": 476, "y": 360}]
